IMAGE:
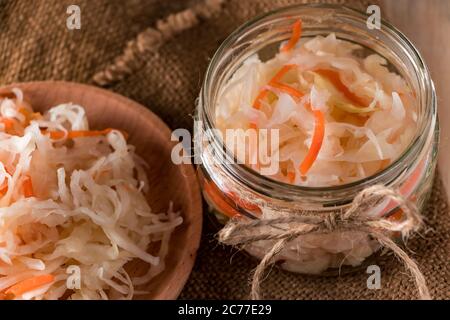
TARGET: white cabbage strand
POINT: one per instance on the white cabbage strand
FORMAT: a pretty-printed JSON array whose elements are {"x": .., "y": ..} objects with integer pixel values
[{"x": 89, "y": 209}]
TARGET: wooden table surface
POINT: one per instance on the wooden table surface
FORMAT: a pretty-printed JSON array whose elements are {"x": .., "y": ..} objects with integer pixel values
[{"x": 427, "y": 24}]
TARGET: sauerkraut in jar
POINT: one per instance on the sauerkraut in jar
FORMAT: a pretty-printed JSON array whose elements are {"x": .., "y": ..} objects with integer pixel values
[
  {"x": 352, "y": 107},
  {"x": 340, "y": 118}
]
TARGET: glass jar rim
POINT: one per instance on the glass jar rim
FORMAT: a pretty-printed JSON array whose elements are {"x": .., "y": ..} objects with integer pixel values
[{"x": 246, "y": 175}]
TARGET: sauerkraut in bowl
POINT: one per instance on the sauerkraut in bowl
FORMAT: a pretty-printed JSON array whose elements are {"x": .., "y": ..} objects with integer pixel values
[
  {"x": 73, "y": 207},
  {"x": 352, "y": 108}
]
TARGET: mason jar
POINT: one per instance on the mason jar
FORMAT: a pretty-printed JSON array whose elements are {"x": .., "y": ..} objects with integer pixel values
[{"x": 233, "y": 189}]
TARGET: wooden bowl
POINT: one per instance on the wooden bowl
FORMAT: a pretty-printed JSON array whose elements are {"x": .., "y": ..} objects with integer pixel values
[{"x": 168, "y": 182}]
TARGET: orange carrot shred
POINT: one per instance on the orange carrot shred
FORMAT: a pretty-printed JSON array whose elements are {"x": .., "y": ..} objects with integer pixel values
[
  {"x": 316, "y": 144},
  {"x": 27, "y": 114},
  {"x": 30, "y": 284},
  {"x": 253, "y": 125},
  {"x": 396, "y": 216},
  {"x": 334, "y": 77},
  {"x": 28, "y": 187},
  {"x": 296, "y": 34},
  {"x": 9, "y": 124},
  {"x": 288, "y": 89},
  {"x": 412, "y": 181},
  {"x": 244, "y": 203},
  {"x": 291, "y": 177},
  {"x": 81, "y": 133},
  {"x": 216, "y": 196},
  {"x": 262, "y": 94},
  {"x": 275, "y": 82},
  {"x": 280, "y": 74},
  {"x": 3, "y": 191}
]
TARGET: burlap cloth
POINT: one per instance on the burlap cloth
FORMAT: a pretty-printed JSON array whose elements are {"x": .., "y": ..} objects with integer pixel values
[{"x": 36, "y": 45}]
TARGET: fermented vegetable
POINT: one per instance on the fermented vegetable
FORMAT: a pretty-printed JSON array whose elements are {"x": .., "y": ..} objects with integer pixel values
[
  {"x": 341, "y": 117},
  {"x": 72, "y": 198}
]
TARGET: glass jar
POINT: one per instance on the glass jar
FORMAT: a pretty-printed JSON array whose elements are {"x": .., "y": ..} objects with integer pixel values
[{"x": 234, "y": 189}]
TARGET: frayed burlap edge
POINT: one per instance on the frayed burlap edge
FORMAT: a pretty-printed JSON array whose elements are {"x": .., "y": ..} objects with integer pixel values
[{"x": 151, "y": 39}]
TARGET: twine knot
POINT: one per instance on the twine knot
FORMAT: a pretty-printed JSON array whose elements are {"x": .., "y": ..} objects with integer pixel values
[
  {"x": 330, "y": 221},
  {"x": 242, "y": 232}
]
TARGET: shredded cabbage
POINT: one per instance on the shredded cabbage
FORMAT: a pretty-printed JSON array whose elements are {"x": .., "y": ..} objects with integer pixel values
[
  {"x": 370, "y": 112},
  {"x": 370, "y": 119},
  {"x": 74, "y": 202}
]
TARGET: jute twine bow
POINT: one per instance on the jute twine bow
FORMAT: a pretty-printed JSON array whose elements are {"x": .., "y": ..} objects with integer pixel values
[{"x": 242, "y": 232}]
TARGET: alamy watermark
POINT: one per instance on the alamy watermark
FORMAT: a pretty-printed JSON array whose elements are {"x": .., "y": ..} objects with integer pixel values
[
  {"x": 374, "y": 280},
  {"x": 73, "y": 21},
  {"x": 249, "y": 146},
  {"x": 73, "y": 280},
  {"x": 374, "y": 20}
]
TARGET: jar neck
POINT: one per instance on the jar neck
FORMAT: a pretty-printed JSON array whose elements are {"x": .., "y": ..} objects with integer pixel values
[{"x": 348, "y": 24}]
